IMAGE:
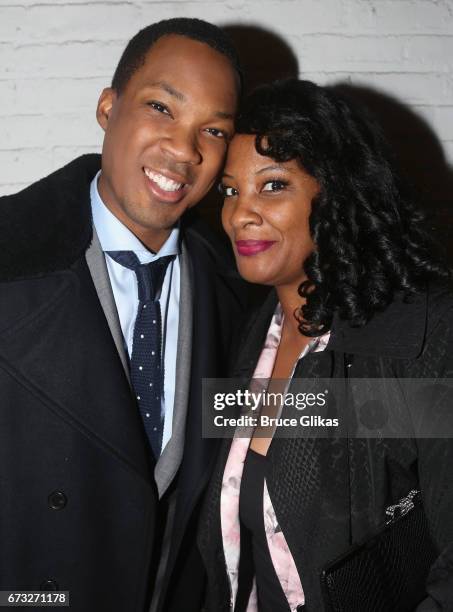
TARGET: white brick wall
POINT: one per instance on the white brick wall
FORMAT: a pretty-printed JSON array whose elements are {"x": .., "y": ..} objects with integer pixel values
[{"x": 56, "y": 55}]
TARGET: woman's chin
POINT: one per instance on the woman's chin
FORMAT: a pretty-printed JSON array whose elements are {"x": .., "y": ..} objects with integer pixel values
[{"x": 254, "y": 276}]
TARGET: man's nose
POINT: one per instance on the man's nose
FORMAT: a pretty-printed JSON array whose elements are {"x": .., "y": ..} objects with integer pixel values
[{"x": 181, "y": 145}]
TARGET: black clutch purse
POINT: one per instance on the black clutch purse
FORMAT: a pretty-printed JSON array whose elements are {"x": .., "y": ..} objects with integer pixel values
[{"x": 386, "y": 573}]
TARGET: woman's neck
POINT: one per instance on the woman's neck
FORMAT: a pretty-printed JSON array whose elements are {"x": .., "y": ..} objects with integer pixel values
[{"x": 291, "y": 303}]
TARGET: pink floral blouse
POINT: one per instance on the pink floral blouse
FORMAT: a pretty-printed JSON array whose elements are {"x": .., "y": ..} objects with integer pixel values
[{"x": 282, "y": 559}]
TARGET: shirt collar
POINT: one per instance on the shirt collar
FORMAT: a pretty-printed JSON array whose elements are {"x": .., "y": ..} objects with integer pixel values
[
  {"x": 115, "y": 236},
  {"x": 316, "y": 345}
]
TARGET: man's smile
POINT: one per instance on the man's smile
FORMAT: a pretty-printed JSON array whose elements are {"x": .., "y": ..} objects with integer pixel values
[
  {"x": 166, "y": 188},
  {"x": 164, "y": 182}
]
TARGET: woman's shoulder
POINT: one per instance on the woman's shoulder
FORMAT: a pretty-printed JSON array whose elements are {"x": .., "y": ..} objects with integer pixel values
[
  {"x": 402, "y": 329},
  {"x": 436, "y": 357},
  {"x": 439, "y": 305}
]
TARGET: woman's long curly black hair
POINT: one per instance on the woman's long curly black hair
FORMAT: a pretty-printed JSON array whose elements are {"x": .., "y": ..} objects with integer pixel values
[{"x": 371, "y": 240}]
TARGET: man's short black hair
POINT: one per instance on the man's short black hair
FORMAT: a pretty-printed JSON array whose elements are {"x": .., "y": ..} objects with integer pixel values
[{"x": 136, "y": 50}]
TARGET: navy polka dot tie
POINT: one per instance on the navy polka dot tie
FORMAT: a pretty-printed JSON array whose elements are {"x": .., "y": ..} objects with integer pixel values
[{"x": 147, "y": 369}]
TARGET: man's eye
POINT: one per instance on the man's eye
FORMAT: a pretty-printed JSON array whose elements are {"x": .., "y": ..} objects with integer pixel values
[
  {"x": 274, "y": 185},
  {"x": 160, "y": 108},
  {"x": 217, "y": 133},
  {"x": 227, "y": 192}
]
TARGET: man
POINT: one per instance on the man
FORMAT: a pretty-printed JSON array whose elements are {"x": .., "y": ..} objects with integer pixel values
[{"x": 102, "y": 463}]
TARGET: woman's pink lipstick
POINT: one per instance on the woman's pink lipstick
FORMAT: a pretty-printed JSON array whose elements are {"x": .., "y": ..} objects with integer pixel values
[{"x": 253, "y": 247}]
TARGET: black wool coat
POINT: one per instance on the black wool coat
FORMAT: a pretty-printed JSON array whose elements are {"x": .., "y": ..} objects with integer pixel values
[
  {"x": 78, "y": 502},
  {"x": 331, "y": 493}
]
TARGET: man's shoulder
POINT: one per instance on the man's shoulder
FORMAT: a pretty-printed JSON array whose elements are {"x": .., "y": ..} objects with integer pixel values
[
  {"x": 84, "y": 165},
  {"x": 47, "y": 226}
]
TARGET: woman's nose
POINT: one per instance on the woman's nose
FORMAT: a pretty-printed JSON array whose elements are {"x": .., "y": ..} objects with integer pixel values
[{"x": 245, "y": 212}]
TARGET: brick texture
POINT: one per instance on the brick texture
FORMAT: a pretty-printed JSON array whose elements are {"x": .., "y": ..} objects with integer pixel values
[{"x": 56, "y": 55}]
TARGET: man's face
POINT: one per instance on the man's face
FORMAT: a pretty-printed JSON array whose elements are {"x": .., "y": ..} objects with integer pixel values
[{"x": 166, "y": 135}]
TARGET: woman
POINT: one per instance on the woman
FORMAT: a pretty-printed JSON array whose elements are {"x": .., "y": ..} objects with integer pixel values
[{"x": 315, "y": 210}]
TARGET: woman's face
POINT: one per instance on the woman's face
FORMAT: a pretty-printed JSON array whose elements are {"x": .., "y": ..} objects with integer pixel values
[{"x": 265, "y": 214}]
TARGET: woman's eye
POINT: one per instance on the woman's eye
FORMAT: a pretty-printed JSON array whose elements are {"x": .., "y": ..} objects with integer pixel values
[
  {"x": 160, "y": 108},
  {"x": 274, "y": 186},
  {"x": 227, "y": 192},
  {"x": 217, "y": 133}
]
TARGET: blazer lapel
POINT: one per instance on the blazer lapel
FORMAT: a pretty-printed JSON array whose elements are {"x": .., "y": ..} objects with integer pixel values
[
  {"x": 98, "y": 269},
  {"x": 170, "y": 460},
  {"x": 253, "y": 336}
]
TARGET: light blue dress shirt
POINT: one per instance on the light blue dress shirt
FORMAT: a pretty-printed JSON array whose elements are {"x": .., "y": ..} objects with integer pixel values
[{"x": 115, "y": 236}]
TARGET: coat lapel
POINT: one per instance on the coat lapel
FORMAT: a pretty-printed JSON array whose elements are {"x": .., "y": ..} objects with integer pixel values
[
  {"x": 98, "y": 269},
  {"x": 253, "y": 336},
  {"x": 70, "y": 361},
  {"x": 170, "y": 460}
]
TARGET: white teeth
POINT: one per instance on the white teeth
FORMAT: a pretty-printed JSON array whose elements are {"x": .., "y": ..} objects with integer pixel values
[{"x": 162, "y": 181}]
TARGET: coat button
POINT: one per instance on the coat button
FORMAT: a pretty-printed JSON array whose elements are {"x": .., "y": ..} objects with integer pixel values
[
  {"x": 57, "y": 500},
  {"x": 49, "y": 585}
]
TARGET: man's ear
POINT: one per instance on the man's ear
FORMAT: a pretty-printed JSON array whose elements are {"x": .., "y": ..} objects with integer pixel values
[{"x": 105, "y": 105}]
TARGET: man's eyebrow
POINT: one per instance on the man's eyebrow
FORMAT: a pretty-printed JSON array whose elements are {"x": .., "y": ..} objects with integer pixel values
[
  {"x": 181, "y": 97},
  {"x": 169, "y": 89}
]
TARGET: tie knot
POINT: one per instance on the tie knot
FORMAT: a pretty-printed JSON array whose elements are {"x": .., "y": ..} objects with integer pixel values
[{"x": 149, "y": 276}]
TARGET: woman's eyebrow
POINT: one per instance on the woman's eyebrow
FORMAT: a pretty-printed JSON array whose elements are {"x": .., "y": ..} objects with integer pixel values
[
  {"x": 272, "y": 167},
  {"x": 223, "y": 115}
]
